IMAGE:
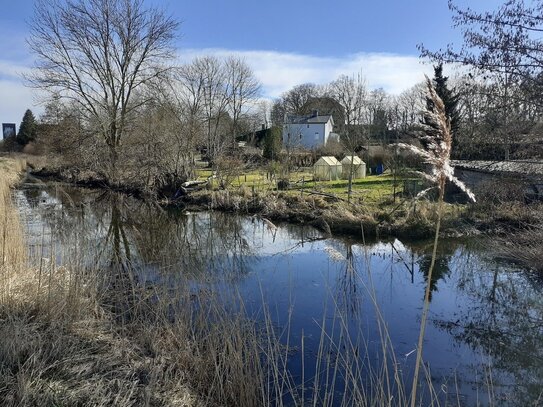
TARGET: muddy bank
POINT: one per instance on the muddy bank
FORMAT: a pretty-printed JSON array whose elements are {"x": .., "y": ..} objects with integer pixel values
[
  {"x": 332, "y": 217},
  {"x": 329, "y": 215},
  {"x": 86, "y": 179}
]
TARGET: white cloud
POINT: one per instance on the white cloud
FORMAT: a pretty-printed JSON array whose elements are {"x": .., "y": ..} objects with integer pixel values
[
  {"x": 279, "y": 71},
  {"x": 12, "y": 70},
  {"x": 15, "y": 98}
]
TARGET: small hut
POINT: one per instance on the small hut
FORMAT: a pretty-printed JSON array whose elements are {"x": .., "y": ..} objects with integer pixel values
[
  {"x": 327, "y": 168},
  {"x": 359, "y": 167}
]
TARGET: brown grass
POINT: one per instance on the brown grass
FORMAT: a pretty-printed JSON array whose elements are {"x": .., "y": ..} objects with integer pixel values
[
  {"x": 57, "y": 345},
  {"x": 524, "y": 247}
]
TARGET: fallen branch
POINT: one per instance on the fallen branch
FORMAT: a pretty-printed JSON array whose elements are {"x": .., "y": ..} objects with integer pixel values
[
  {"x": 325, "y": 195},
  {"x": 304, "y": 181}
]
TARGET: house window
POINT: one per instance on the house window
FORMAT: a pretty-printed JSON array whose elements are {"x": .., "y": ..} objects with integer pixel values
[
  {"x": 300, "y": 136},
  {"x": 308, "y": 126},
  {"x": 316, "y": 135}
]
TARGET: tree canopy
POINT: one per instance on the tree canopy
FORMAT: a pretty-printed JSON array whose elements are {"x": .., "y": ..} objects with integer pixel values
[{"x": 506, "y": 40}]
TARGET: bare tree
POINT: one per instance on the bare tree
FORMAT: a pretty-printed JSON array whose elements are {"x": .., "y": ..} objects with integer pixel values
[
  {"x": 296, "y": 98},
  {"x": 215, "y": 98},
  {"x": 185, "y": 96},
  {"x": 351, "y": 93},
  {"x": 61, "y": 131},
  {"x": 377, "y": 110},
  {"x": 293, "y": 102},
  {"x": 409, "y": 105},
  {"x": 100, "y": 53},
  {"x": 244, "y": 88}
]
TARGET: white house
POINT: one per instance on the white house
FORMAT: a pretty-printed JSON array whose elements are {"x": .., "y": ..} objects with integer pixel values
[{"x": 311, "y": 131}]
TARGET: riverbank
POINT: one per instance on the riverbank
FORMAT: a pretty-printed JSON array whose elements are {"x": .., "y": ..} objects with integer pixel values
[
  {"x": 59, "y": 344},
  {"x": 79, "y": 332},
  {"x": 372, "y": 214},
  {"x": 330, "y": 214},
  {"x": 327, "y": 214},
  {"x": 165, "y": 309}
]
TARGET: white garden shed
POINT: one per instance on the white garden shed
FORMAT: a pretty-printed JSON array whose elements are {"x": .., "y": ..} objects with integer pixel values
[
  {"x": 327, "y": 168},
  {"x": 359, "y": 167}
]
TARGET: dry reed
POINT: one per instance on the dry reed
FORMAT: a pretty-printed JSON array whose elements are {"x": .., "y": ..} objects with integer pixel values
[{"x": 436, "y": 139}]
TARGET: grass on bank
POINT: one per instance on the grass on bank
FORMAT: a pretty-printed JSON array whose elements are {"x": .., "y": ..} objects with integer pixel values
[
  {"x": 58, "y": 345},
  {"x": 372, "y": 189}
]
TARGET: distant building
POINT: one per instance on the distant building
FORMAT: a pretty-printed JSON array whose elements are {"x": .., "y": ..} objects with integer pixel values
[
  {"x": 8, "y": 130},
  {"x": 309, "y": 132}
]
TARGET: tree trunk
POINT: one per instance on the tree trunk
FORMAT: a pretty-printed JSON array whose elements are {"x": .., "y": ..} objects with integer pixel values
[
  {"x": 351, "y": 171},
  {"x": 113, "y": 168}
]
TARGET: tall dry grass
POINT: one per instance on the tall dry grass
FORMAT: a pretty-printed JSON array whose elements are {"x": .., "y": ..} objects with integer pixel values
[
  {"x": 58, "y": 344},
  {"x": 71, "y": 334},
  {"x": 13, "y": 249},
  {"x": 436, "y": 140}
]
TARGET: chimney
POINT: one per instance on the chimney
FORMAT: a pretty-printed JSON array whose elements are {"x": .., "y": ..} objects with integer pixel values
[{"x": 315, "y": 113}]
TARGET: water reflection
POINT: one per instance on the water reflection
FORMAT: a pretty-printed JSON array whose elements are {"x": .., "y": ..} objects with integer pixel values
[
  {"x": 505, "y": 320},
  {"x": 441, "y": 267},
  {"x": 117, "y": 232},
  {"x": 483, "y": 313},
  {"x": 348, "y": 286}
]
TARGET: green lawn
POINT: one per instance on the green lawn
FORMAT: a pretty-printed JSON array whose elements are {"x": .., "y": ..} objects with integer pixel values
[{"x": 372, "y": 189}]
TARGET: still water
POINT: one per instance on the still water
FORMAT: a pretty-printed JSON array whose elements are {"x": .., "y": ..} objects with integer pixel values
[{"x": 486, "y": 315}]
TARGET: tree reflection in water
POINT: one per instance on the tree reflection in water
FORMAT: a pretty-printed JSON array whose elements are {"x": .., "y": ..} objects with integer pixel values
[
  {"x": 441, "y": 267},
  {"x": 349, "y": 292},
  {"x": 505, "y": 321}
]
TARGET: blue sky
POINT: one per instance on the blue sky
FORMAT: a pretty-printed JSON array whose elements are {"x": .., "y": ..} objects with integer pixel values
[{"x": 286, "y": 42}]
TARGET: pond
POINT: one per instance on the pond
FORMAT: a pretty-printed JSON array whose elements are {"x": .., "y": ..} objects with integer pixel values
[{"x": 486, "y": 315}]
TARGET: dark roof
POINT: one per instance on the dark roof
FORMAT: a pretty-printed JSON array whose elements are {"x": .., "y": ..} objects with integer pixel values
[
  {"x": 308, "y": 119},
  {"x": 524, "y": 167}
]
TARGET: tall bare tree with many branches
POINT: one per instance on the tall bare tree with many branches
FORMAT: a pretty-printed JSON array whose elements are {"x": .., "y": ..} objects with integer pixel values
[
  {"x": 101, "y": 54},
  {"x": 351, "y": 93}
]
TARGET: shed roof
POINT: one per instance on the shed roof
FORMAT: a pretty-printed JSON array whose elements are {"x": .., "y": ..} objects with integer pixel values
[
  {"x": 356, "y": 160},
  {"x": 328, "y": 160}
]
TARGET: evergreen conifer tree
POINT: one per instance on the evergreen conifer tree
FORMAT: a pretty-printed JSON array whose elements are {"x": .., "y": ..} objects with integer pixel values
[
  {"x": 27, "y": 129},
  {"x": 450, "y": 100}
]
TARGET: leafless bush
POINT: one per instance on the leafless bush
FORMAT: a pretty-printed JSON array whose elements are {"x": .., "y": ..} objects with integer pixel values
[
  {"x": 228, "y": 169},
  {"x": 499, "y": 192}
]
